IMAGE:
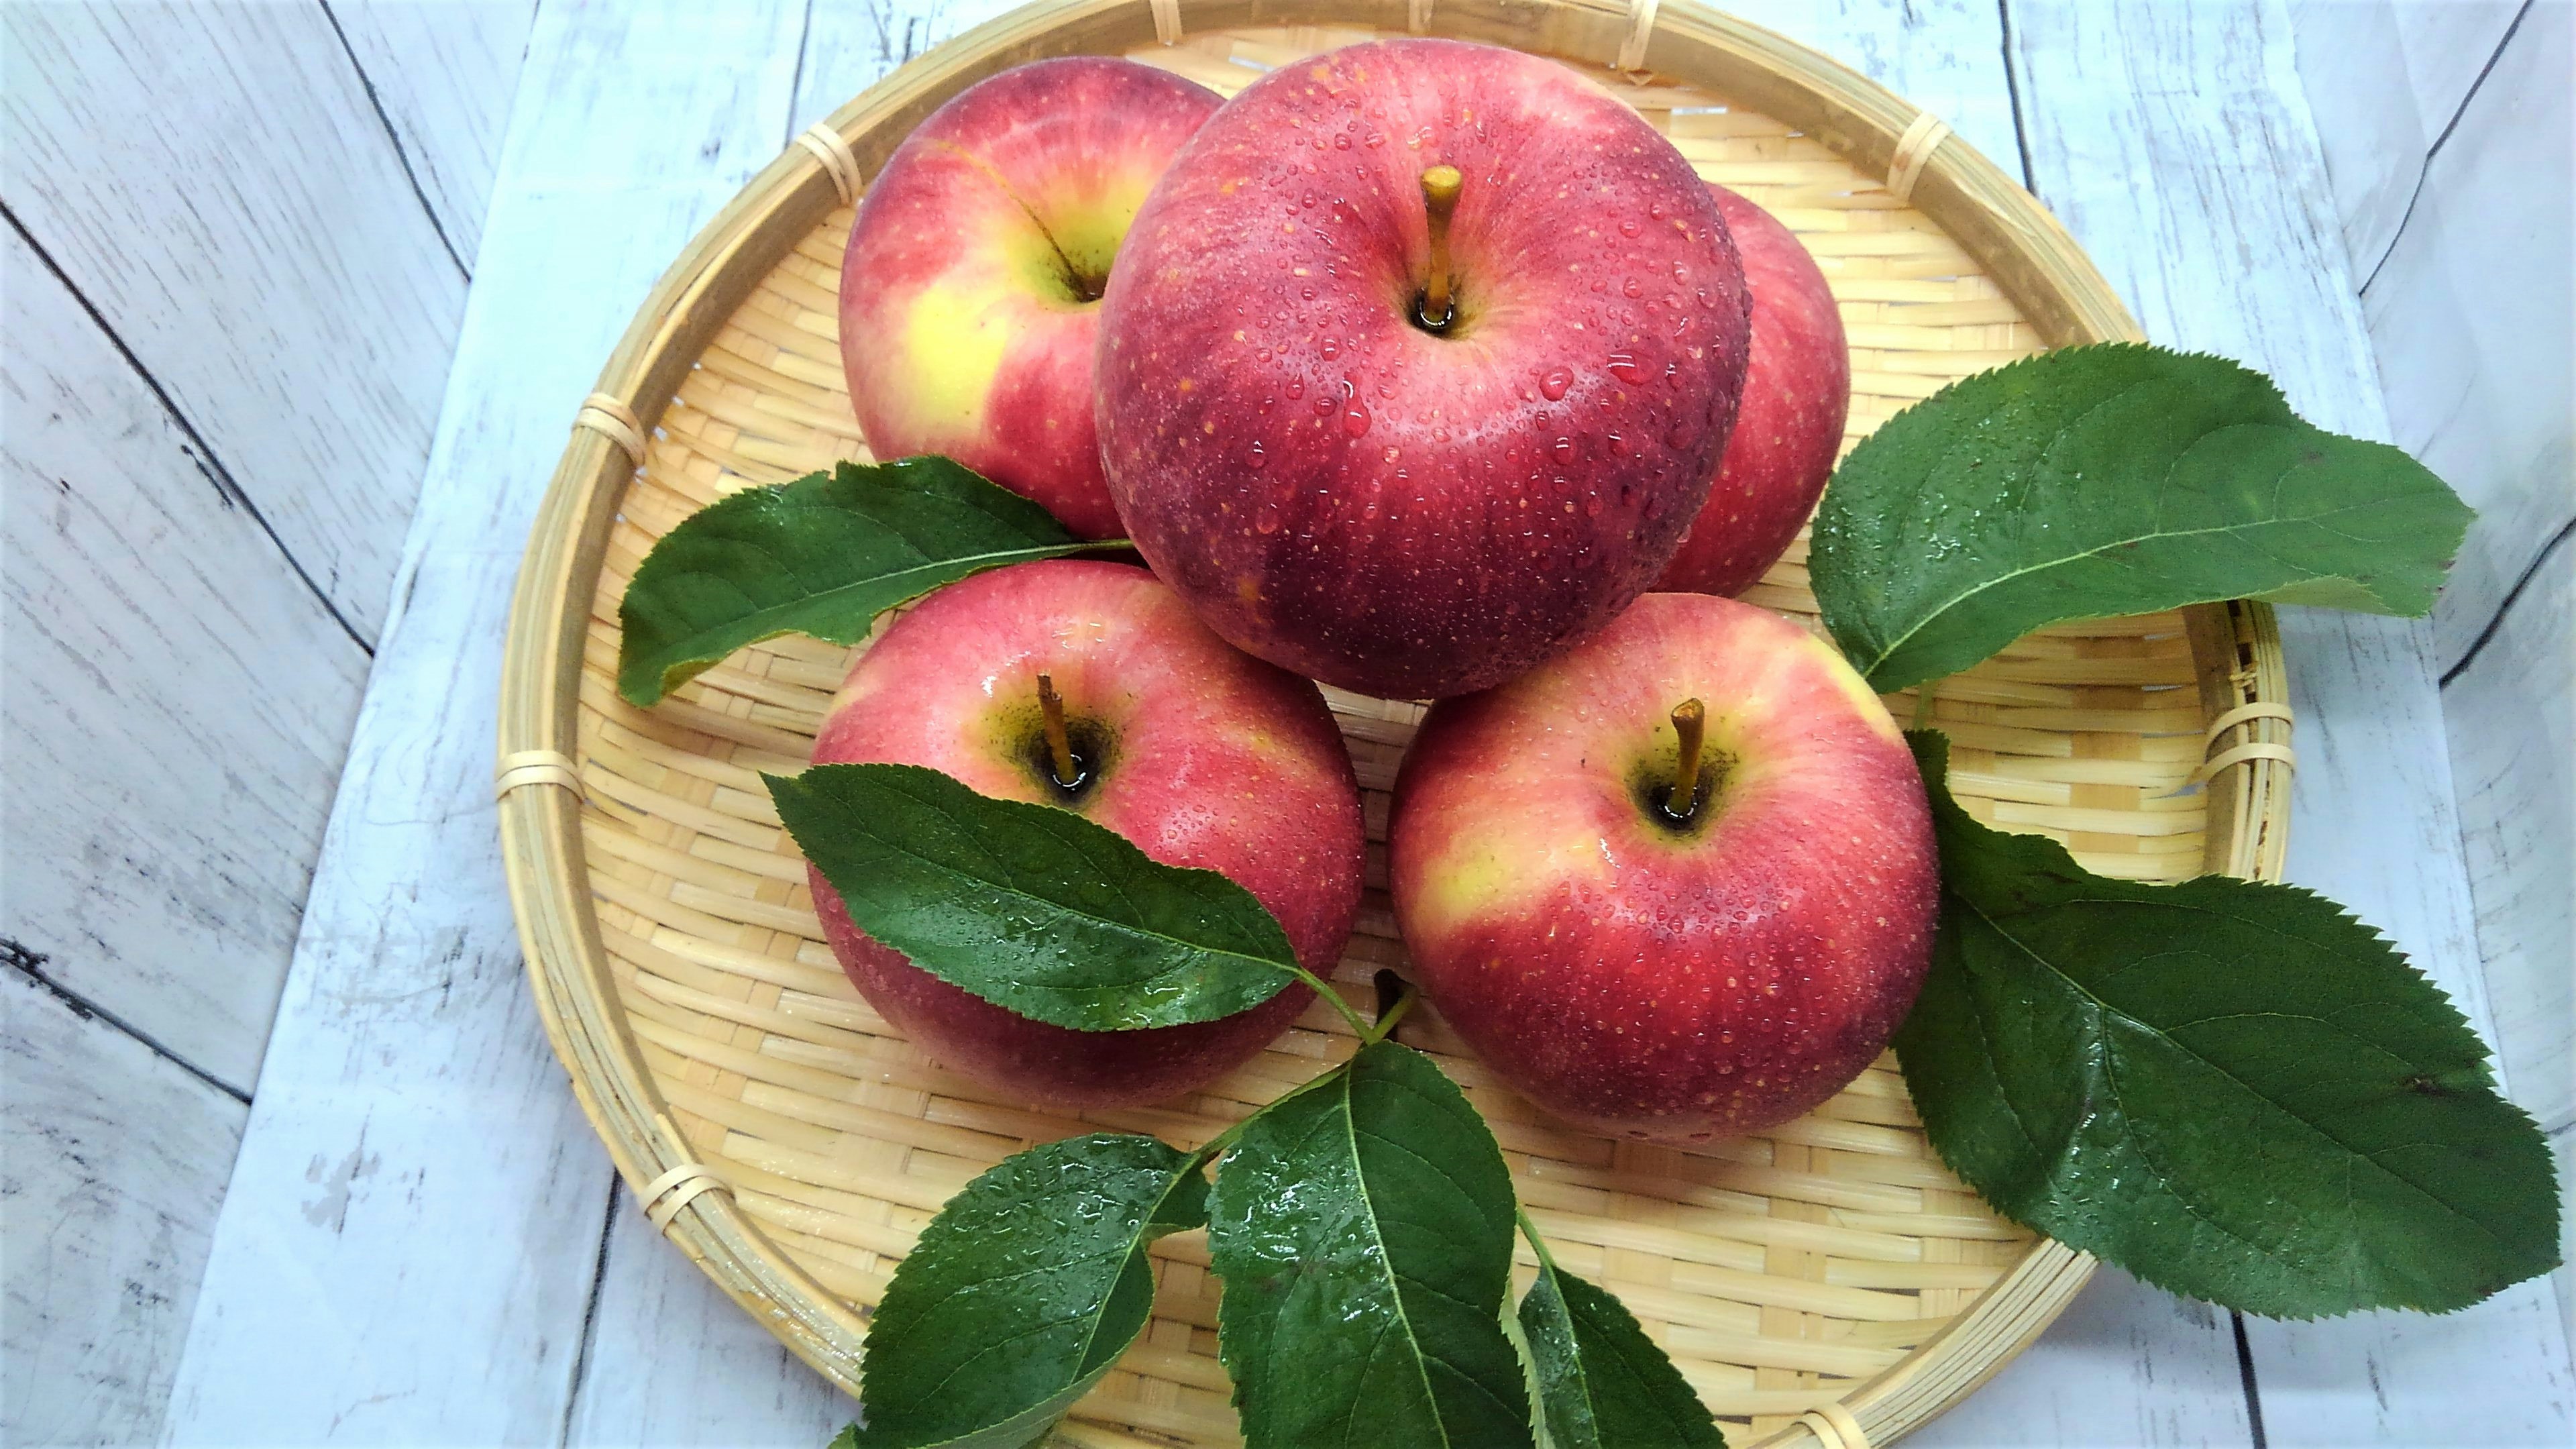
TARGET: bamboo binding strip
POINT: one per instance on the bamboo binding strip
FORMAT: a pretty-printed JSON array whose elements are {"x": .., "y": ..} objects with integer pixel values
[{"x": 1828, "y": 1284}]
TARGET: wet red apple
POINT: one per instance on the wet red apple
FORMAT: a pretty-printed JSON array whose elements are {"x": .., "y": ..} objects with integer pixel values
[
  {"x": 1658, "y": 926},
  {"x": 1198, "y": 753},
  {"x": 1418, "y": 363},
  {"x": 969, "y": 293},
  {"x": 1797, "y": 391}
]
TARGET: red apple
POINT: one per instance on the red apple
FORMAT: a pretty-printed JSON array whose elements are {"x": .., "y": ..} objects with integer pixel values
[
  {"x": 1199, "y": 754},
  {"x": 1409, "y": 508},
  {"x": 1797, "y": 390},
  {"x": 969, "y": 290},
  {"x": 1653, "y": 975}
]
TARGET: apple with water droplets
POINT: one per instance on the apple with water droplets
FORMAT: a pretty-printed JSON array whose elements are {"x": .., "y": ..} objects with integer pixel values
[
  {"x": 1090, "y": 686},
  {"x": 1789, "y": 429},
  {"x": 970, "y": 290},
  {"x": 1677, "y": 884},
  {"x": 1417, "y": 364}
]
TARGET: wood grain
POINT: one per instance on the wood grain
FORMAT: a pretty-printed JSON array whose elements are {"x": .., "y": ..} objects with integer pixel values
[
  {"x": 251, "y": 236},
  {"x": 177, "y": 702},
  {"x": 111, "y": 1163},
  {"x": 2207, "y": 206},
  {"x": 443, "y": 71},
  {"x": 409, "y": 1250}
]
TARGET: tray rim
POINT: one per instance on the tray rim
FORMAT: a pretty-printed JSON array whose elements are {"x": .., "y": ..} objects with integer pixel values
[{"x": 2011, "y": 235}]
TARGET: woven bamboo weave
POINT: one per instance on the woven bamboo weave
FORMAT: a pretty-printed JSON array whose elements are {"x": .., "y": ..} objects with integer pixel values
[{"x": 1828, "y": 1277}]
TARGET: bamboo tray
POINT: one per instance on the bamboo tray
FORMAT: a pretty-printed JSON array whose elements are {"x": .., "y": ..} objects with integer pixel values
[{"x": 1830, "y": 1283}]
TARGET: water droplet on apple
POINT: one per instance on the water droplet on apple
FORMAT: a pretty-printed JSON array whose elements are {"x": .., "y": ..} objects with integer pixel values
[
  {"x": 1553, "y": 386},
  {"x": 1628, "y": 226},
  {"x": 1296, "y": 388},
  {"x": 1342, "y": 142},
  {"x": 1258, "y": 458},
  {"x": 1267, "y": 520},
  {"x": 1331, "y": 348},
  {"x": 1592, "y": 506},
  {"x": 1563, "y": 448},
  {"x": 1630, "y": 288},
  {"x": 1355, "y": 418},
  {"x": 1623, "y": 366}
]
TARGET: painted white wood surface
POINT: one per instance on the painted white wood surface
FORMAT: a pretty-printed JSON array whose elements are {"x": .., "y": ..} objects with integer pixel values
[
  {"x": 176, "y": 707},
  {"x": 250, "y": 235},
  {"x": 111, "y": 1163},
  {"x": 2126, "y": 1366},
  {"x": 2207, "y": 207},
  {"x": 443, "y": 72},
  {"x": 2483, "y": 396},
  {"x": 2478, "y": 383},
  {"x": 409, "y": 1247},
  {"x": 2384, "y": 79}
]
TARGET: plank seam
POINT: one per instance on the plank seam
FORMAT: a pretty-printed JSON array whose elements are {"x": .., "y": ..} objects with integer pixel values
[
  {"x": 401, "y": 156},
  {"x": 590, "y": 1311},
  {"x": 199, "y": 452},
  {"x": 2012, "y": 93},
  {"x": 2495, "y": 621},
  {"x": 2245, "y": 1374},
  {"x": 31, "y": 964}
]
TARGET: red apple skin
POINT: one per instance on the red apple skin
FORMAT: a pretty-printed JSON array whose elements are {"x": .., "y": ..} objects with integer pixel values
[
  {"x": 1351, "y": 496},
  {"x": 1652, "y": 984},
  {"x": 1797, "y": 391},
  {"x": 964, "y": 328},
  {"x": 1214, "y": 760}
]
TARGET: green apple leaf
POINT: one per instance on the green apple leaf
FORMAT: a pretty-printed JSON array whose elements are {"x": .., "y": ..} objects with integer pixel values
[
  {"x": 1364, "y": 1232},
  {"x": 2232, "y": 1089},
  {"x": 1031, "y": 907},
  {"x": 2105, "y": 480},
  {"x": 1602, "y": 1383},
  {"x": 1022, "y": 1292},
  {"x": 823, "y": 555}
]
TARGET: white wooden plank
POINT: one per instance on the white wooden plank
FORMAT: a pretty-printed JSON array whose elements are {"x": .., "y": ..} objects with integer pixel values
[
  {"x": 177, "y": 705},
  {"x": 111, "y": 1163},
  {"x": 674, "y": 1363},
  {"x": 2352, "y": 66},
  {"x": 408, "y": 1250},
  {"x": 2384, "y": 80},
  {"x": 250, "y": 234},
  {"x": 2447, "y": 44},
  {"x": 2512, "y": 719},
  {"x": 2173, "y": 142},
  {"x": 444, "y": 72},
  {"x": 2475, "y": 388}
]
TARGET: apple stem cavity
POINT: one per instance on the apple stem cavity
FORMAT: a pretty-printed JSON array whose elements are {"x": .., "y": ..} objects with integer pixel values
[
  {"x": 1059, "y": 743},
  {"x": 1440, "y": 186},
  {"x": 1690, "y": 721}
]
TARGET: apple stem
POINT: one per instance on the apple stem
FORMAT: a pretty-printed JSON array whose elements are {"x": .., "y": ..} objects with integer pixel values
[
  {"x": 1388, "y": 1016},
  {"x": 1690, "y": 721},
  {"x": 1440, "y": 187},
  {"x": 1059, "y": 744}
]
